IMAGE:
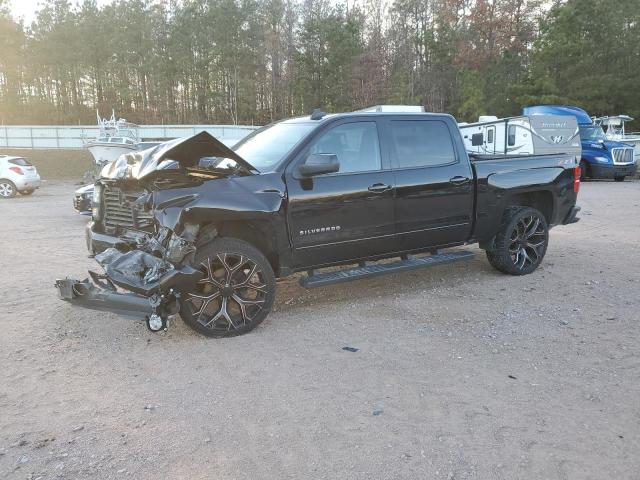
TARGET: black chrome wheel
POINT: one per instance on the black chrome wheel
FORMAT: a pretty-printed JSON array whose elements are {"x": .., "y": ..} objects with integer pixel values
[
  {"x": 528, "y": 241},
  {"x": 521, "y": 241},
  {"x": 236, "y": 293}
]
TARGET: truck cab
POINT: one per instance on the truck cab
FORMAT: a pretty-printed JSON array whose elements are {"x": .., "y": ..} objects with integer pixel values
[{"x": 601, "y": 157}]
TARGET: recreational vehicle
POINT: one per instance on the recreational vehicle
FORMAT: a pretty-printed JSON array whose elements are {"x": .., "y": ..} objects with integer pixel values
[{"x": 524, "y": 135}]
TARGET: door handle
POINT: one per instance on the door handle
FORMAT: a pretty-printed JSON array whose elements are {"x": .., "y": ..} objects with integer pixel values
[
  {"x": 459, "y": 180},
  {"x": 379, "y": 187}
]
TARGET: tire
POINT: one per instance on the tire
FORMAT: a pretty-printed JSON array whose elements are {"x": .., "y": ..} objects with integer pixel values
[
  {"x": 26, "y": 192},
  {"x": 584, "y": 168},
  {"x": 237, "y": 293},
  {"x": 7, "y": 189},
  {"x": 619, "y": 179},
  {"x": 523, "y": 235}
]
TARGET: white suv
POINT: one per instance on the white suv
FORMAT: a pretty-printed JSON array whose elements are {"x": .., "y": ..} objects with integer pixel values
[{"x": 17, "y": 175}]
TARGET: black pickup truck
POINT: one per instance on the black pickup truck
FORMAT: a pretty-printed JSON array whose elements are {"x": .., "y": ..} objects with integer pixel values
[{"x": 208, "y": 236}]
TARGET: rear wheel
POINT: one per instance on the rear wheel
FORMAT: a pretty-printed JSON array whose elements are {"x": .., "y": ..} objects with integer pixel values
[
  {"x": 521, "y": 242},
  {"x": 7, "y": 189},
  {"x": 619, "y": 179},
  {"x": 237, "y": 292},
  {"x": 26, "y": 192}
]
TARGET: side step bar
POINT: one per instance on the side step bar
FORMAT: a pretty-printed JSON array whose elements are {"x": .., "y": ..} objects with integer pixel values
[{"x": 314, "y": 280}]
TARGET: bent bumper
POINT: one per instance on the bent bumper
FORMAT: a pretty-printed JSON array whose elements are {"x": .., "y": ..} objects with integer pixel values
[
  {"x": 96, "y": 241},
  {"x": 89, "y": 295},
  {"x": 612, "y": 171}
]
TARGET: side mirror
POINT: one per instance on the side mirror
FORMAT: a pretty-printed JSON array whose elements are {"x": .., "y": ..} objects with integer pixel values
[
  {"x": 477, "y": 139},
  {"x": 319, "y": 163}
]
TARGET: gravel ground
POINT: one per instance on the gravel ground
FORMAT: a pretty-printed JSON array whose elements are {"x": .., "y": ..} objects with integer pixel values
[{"x": 460, "y": 372}]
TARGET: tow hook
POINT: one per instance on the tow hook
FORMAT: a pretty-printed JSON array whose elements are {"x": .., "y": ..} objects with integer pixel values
[
  {"x": 162, "y": 306},
  {"x": 155, "y": 322}
]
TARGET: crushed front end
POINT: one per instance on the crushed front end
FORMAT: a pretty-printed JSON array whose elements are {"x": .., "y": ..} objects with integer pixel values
[
  {"x": 144, "y": 274},
  {"x": 146, "y": 249}
]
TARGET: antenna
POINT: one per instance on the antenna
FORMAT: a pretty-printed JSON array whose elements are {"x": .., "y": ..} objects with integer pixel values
[{"x": 317, "y": 114}]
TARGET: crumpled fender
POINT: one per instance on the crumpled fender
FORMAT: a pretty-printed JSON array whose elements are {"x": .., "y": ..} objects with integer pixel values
[{"x": 247, "y": 198}]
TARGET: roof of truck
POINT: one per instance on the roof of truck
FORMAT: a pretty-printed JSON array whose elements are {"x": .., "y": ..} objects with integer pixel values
[{"x": 332, "y": 116}]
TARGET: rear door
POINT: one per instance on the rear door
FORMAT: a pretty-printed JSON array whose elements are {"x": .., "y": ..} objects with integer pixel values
[
  {"x": 348, "y": 214},
  {"x": 490, "y": 140},
  {"x": 434, "y": 182}
]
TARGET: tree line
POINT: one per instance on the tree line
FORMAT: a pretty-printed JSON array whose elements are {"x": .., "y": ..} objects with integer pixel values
[{"x": 255, "y": 61}]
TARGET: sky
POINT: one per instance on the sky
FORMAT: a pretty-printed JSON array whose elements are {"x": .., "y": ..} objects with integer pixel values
[{"x": 26, "y": 9}]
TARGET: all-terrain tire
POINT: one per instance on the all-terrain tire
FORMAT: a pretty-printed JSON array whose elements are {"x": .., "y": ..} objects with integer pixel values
[
  {"x": 521, "y": 241},
  {"x": 237, "y": 293}
]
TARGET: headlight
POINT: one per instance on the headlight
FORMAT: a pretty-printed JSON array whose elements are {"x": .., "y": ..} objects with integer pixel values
[
  {"x": 601, "y": 159},
  {"x": 96, "y": 202}
]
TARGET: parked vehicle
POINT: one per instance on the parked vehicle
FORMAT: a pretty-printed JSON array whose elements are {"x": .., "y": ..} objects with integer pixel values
[
  {"x": 17, "y": 175},
  {"x": 601, "y": 157},
  {"x": 309, "y": 193},
  {"x": 525, "y": 135},
  {"x": 614, "y": 129}
]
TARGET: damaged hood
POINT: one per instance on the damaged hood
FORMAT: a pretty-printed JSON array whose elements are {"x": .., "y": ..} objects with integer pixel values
[{"x": 179, "y": 153}]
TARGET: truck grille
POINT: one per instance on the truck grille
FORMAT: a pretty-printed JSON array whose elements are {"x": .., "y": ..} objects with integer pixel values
[
  {"x": 622, "y": 155},
  {"x": 119, "y": 211}
]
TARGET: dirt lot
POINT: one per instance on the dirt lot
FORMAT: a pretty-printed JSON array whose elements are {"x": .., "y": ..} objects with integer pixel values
[{"x": 461, "y": 372}]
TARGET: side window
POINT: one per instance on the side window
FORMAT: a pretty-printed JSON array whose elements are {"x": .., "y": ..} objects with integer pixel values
[
  {"x": 490, "y": 135},
  {"x": 356, "y": 145},
  {"x": 511, "y": 139},
  {"x": 422, "y": 143}
]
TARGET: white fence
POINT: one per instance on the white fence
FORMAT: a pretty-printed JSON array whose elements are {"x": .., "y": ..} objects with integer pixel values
[{"x": 43, "y": 136}]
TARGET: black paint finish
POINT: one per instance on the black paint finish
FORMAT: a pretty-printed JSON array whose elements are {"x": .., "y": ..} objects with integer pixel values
[{"x": 337, "y": 218}]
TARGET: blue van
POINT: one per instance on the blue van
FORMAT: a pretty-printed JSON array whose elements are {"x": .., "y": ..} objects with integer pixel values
[{"x": 601, "y": 158}]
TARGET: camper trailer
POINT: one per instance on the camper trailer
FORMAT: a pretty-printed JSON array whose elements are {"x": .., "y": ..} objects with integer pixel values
[{"x": 525, "y": 135}]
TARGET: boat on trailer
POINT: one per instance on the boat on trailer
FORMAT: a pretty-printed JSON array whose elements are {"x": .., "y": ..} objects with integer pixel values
[
  {"x": 116, "y": 137},
  {"x": 614, "y": 129}
]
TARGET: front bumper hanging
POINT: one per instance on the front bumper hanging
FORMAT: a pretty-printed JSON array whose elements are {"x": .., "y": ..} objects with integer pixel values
[{"x": 88, "y": 294}]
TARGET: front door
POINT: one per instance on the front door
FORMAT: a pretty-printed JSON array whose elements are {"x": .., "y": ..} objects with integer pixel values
[
  {"x": 344, "y": 215},
  {"x": 434, "y": 184}
]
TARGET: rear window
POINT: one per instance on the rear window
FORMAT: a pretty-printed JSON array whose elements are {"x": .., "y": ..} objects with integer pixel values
[
  {"x": 20, "y": 161},
  {"x": 420, "y": 143}
]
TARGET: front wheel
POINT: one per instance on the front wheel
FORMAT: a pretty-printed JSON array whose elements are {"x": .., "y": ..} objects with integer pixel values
[
  {"x": 619, "y": 179},
  {"x": 521, "y": 241},
  {"x": 236, "y": 293}
]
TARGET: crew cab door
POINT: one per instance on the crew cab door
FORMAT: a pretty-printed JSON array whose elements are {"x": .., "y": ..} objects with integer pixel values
[
  {"x": 344, "y": 215},
  {"x": 434, "y": 182}
]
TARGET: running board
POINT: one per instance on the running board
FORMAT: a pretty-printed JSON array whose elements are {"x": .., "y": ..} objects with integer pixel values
[{"x": 314, "y": 280}]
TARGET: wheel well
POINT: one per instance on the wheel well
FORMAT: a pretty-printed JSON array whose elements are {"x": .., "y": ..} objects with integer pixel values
[
  {"x": 541, "y": 201},
  {"x": 260, "y": 234}
]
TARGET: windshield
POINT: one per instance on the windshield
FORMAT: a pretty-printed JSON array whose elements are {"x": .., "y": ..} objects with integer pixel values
[
  {"x": 591, "y": 133},
  {"x": 267, "y": 147}
]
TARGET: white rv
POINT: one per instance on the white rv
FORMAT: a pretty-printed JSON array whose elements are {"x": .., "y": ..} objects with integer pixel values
[{"x": 532, "y": 135}]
